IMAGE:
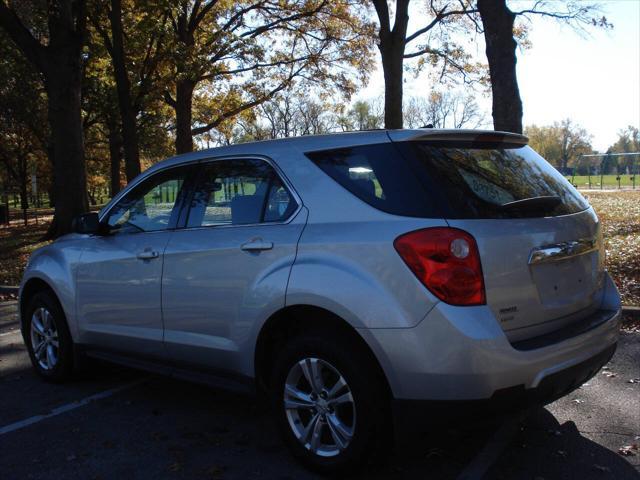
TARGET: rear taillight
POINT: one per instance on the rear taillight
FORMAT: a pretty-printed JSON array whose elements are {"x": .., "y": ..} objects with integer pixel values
[{"x": 446, "y": 261}]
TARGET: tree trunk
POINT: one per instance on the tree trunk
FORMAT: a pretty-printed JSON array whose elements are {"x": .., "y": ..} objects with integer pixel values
[
  {"x": 52, "y": 161},
  {"x": 497, "y": 22},
  {"x": 184, "y": 99},
  {"x": 392, "y": 42},
  {"x": 5, "y": 199},
  {"x": 115, "y": 157},
  {"x": 63, "y": 84},
  {"x": 123, "y": 87},
  {"x": 60, "y": 63},
  {"x": 392, "y": 63},
  {"x": 24, "y": 180}
]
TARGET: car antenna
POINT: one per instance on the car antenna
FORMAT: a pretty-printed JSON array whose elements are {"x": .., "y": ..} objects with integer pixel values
[{"x": 428, "y": 125}]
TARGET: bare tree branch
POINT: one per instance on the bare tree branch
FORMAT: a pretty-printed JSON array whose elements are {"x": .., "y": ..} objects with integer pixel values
[{"x": 440, "y": 15}]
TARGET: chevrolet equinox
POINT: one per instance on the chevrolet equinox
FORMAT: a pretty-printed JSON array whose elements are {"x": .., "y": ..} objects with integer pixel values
[{"x": 360, "y": 280}]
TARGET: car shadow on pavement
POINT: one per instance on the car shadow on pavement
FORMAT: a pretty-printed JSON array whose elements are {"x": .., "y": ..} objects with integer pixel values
[
  {"x": 546, "y": 449},
  {"x": 169, "y": 428},
  {"x": 165, "y": 428}
]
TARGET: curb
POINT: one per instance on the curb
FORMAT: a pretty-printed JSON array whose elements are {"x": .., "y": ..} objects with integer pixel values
[{"x": 632, "y": 310}]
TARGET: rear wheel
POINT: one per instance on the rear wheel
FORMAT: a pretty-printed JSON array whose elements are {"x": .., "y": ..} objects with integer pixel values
[
  {"x": 47, "y": 338},
  {"x": 331, "y": 408}
]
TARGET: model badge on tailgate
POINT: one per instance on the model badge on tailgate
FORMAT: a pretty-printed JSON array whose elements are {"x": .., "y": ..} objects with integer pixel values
[{"x": 505, "y": 313}]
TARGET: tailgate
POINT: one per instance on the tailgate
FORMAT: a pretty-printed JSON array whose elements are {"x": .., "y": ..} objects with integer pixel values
[
  {"x": 540, "y": 273},
  {"x": 537, "y": 236}
]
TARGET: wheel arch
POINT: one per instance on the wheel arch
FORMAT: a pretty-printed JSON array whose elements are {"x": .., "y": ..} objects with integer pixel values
[
  {"x": 31, "y": 287},
  {"x": 295, "y": 319}
]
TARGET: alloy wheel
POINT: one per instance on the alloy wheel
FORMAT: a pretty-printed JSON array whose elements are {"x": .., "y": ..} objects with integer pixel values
[
  {"x": 319, "y": 407},
  {"x": 44, "y": 338}
]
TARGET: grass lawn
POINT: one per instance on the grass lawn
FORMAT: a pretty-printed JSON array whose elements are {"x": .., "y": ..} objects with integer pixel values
[{"x": 618, "y": 211}]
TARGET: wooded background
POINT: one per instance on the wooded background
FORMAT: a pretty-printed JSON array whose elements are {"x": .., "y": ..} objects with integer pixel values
[{"x": 94, "y": 91}]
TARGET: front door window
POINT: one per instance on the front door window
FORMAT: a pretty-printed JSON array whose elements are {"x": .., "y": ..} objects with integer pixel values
[{"x": 150, "y": 206}]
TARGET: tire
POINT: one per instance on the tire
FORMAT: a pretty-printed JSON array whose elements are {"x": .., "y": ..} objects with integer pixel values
[
  {"x": 46, "y": 335},
  {"x": 349, "y": 432}
]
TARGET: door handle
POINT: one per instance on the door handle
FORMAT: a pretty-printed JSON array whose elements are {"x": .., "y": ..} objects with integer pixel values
[
  {"x": 148, "y": 254},
  {"x": 256, "y": 245}
]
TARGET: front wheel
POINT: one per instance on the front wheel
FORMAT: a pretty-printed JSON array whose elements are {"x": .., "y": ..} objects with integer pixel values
[
  {"x": 47, "y": 338},
  {"x": 330, "y": 406}
]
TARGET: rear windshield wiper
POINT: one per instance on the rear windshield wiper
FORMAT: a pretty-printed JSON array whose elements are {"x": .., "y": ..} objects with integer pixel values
[{"x": 543, "y": 204}]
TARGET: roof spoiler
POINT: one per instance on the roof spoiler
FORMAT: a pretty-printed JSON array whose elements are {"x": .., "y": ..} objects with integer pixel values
[{"x": 474, "y": 136}]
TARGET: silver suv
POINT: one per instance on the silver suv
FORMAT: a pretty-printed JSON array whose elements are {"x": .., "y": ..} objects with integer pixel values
[{"x": 362, "y": 280}]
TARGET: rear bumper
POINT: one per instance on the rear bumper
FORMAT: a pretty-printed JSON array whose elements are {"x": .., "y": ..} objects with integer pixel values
[
  {"x": 413, "y": 415},
  {"x": 462, "y": 353}
]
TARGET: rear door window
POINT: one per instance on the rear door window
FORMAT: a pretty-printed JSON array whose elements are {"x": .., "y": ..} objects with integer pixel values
[{"x": 239, "y": 192}]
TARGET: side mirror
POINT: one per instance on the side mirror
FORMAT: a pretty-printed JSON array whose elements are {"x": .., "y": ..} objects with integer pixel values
[{"x": 87, "y": 223}]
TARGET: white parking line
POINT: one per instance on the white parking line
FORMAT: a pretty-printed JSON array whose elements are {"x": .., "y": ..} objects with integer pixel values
[
  {"x": 10, "y": 332},
  {"x": 12, "y": 427},
  {"x": 494, "y": 448}
]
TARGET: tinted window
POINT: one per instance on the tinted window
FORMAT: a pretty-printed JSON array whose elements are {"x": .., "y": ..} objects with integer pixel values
[
  {"x": 451, "y": 180},
  {"x": 239, "y": 192},
  {"x": 477, "y": 181},
  {"x": 149, "y": 206},
  {"x": 378, "y": 175}
]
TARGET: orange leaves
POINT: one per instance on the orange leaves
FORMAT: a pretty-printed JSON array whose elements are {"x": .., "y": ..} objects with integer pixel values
[{"x": 619, "y": 213}]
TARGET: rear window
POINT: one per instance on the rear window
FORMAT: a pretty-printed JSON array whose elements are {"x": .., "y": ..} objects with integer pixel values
[
  {"x": 457, "y": 181},
  {"x": 480, "y": 181}
]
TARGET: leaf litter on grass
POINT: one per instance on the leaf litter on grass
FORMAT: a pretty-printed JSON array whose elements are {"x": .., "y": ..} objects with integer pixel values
[{"x": 619, "y": 213}]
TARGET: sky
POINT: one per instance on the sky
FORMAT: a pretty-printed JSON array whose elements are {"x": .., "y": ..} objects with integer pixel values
[{"x": 592, "y": 78}]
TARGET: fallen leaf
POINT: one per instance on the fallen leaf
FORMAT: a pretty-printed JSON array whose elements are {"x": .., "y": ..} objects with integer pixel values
[{"x": 628, "y": 450}]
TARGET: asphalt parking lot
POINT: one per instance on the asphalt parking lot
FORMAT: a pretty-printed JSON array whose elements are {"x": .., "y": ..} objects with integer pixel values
[{"x": 125, "y": 424}]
